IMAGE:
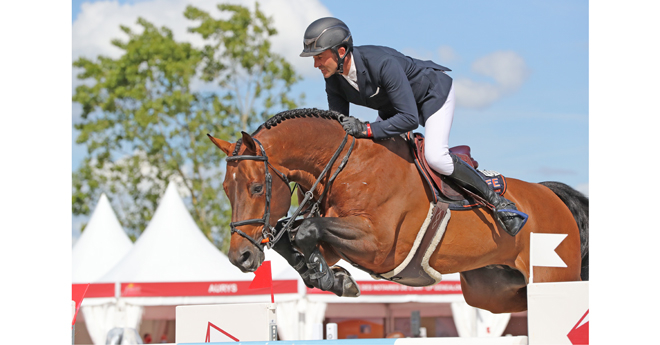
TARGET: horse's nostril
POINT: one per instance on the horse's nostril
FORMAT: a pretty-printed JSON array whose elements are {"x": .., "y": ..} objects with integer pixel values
[{"x": 245, "y": 256}]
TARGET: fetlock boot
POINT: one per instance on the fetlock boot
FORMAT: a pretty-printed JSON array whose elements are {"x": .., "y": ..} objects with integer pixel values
[
  {"x": 319, "y": 271},
  {"x": 504, "y": 211}
]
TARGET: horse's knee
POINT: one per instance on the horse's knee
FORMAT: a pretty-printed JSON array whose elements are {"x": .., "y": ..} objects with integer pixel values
[{"x": 308, "y": 235}]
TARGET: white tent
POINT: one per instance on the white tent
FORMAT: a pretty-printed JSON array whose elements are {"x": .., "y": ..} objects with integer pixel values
[
  {"x": 100, "y": 246},
  {"x": 172, "y": 248}
]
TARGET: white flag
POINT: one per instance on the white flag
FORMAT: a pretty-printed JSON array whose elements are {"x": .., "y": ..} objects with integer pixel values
[{"x": 543, "y": 250}]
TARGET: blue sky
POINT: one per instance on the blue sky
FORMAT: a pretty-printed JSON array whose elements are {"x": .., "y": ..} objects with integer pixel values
[{"x": 527, "y": 118}]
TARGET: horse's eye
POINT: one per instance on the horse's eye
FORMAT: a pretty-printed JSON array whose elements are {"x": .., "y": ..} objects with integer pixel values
[{"x": 256, "y": 188}]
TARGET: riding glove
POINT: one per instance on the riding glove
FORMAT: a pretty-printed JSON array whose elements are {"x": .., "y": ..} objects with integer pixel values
[{"x": 356, "y": 128}]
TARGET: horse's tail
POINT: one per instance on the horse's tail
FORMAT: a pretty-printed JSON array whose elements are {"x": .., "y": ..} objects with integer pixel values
[{"x": 579, "y": 206}]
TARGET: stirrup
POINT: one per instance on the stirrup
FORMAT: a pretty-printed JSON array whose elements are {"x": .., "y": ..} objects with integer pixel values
[{"x": 500, "y": 214}]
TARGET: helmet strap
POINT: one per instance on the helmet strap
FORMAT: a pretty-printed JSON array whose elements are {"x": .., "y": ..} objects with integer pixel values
[{"x": 341, "y": 59}]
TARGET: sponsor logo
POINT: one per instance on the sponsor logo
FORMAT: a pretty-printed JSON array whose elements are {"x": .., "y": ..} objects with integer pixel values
[{"x": 223, "y": 288}]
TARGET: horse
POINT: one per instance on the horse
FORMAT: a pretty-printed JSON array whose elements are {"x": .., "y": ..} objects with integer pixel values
[{"x": 369, "y": 206}]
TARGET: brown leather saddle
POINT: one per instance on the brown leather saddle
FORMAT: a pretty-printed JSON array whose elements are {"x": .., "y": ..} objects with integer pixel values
[{"x": 444, "y": 189}]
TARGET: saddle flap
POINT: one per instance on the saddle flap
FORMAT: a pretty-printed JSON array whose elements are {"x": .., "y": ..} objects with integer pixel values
[{"x": 450, "y": 191}]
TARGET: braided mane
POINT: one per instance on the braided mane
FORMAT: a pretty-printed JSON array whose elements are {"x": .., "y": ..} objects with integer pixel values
[{"x": 291, "y": 114}]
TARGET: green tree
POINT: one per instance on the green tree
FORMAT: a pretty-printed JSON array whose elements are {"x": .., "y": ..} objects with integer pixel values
[
  {"x": 144, "y": 125},
  {"x": 239, "y": 57}
]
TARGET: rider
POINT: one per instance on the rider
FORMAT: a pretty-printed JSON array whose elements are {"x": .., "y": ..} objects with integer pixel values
[{"x": 406, "y": 92}]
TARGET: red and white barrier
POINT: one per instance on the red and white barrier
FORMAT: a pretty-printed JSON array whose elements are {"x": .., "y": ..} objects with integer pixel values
[{"x": 226, "y": 323}]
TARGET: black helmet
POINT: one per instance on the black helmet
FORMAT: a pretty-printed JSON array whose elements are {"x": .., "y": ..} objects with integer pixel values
[{"x": 327, "y": 33}]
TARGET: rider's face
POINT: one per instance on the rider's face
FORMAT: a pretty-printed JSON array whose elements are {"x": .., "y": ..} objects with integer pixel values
[{"x": 326, "y": 62}]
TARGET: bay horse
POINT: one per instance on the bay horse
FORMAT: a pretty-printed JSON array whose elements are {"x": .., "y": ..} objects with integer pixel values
[{"x": 370, "y": 202}]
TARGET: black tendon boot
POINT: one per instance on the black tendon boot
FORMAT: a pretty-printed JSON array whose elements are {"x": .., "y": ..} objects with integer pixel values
[
  {"x": 301, "y": 268},
  {"x": 320, "y": 271},
  {"x": 334, "y": 279},
  {"x": 505, "y": 211}
]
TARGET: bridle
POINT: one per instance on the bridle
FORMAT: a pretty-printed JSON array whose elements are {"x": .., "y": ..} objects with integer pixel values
[
  {"x": 270, "y": 235},
  {"x": 265, "y": 220}
]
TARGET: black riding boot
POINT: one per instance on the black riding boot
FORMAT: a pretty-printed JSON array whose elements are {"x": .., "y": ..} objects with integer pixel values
[{"x": 505, "y": 212}]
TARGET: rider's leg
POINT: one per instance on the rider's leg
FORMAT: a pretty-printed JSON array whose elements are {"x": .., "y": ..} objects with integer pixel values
[
  {"x": 506, "y": 212},
  {"x": 436, "y": 140},
  {"x": 439, "y": 159}
]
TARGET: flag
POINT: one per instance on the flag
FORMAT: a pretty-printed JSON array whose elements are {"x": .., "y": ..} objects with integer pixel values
[
  {"x": 78, "y": 292},
  {"x": 263, "y": 279},
  {"x": 543, "y": 250}
]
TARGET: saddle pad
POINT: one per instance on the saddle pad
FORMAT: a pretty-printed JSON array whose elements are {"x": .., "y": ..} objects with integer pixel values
[{"x": 415, "y": 269}]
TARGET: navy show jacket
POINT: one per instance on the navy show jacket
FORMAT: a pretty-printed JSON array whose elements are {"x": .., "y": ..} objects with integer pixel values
[{"x": 404, "y": 90}]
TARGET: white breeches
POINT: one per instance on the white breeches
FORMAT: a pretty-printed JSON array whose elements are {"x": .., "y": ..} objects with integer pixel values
[{"x": 436, "y": 139}]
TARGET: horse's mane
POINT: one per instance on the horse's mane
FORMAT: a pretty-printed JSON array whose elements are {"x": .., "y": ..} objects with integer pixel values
[{"x": 291, "y": 114}]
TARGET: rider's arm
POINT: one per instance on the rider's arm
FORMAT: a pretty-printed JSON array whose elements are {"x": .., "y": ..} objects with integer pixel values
[
  {"x": 336, "y": 101},
  {"x": 397, "y": 86}
]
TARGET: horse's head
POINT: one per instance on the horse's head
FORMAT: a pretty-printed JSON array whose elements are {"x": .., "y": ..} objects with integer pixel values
[{"x": 259, "y": 194}]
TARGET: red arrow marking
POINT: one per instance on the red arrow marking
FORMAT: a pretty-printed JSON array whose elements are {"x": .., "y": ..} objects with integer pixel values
[
  {"x": 208, "y": 333},
  {"x": 580, "y": 332}
]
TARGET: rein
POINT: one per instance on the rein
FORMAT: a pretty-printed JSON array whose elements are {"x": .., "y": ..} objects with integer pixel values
[{"x": 270, "y": 235}]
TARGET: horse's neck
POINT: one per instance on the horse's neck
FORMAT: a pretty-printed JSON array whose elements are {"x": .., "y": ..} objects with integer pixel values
[{"x": 306, "y": 154}]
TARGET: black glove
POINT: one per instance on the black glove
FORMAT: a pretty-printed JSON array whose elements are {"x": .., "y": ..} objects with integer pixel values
[{"x": 355, "y": 127}]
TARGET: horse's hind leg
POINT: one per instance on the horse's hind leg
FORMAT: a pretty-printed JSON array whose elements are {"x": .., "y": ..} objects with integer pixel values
[{"x": 498, "y": 289}]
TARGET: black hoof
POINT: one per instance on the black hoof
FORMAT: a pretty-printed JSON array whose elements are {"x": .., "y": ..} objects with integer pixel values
[{"x": 344, "y": 284}]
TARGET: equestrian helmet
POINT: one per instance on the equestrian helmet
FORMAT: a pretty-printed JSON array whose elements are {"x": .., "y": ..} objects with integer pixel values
[{"x": 326, "y": 33}]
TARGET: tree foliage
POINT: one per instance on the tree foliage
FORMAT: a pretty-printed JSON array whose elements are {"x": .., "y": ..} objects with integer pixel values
[
  {"x": 239, "y": 57},
  {"x": 145, "y": 117}
]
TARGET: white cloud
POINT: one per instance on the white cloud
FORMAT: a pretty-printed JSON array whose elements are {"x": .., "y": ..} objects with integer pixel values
[
  {"x": 583, "y": 188},
  {"x": 447, "y": 54},
  {"x": 508, "y": 70},
  {"x": 98, "y": 23}
]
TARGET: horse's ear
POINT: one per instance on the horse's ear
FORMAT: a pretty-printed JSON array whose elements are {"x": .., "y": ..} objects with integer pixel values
[
  {"x": 250, "y": 146},
  {"x": 225, "y": 146}
]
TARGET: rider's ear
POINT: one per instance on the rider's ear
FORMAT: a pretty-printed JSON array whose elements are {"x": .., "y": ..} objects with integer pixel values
[{"x": 248, "y": 142}]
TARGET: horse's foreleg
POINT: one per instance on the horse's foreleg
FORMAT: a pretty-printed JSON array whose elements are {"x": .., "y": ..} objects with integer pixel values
[
  {"x": 334, "y": 279},
  {"x": 284, "y": 247}
]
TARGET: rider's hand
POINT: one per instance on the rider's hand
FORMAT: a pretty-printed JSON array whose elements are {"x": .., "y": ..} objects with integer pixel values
[{"x": 356, "y": 128}]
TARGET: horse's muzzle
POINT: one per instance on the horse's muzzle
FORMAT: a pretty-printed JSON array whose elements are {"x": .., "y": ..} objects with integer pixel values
[{"x": 246, "y": 259}]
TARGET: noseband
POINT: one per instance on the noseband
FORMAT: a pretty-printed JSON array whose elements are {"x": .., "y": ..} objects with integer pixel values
[{"x": 271, "y": 235}]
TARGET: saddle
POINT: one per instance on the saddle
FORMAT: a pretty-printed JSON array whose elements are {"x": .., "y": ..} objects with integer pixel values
[{"x": 444, "y": 190}]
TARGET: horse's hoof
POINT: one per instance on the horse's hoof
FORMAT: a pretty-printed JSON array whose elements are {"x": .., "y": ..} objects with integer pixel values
[{"x": 345, "y": 285}]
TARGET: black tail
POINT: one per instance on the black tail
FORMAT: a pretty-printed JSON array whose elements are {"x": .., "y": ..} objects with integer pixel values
[{"x": 579, "y": 206}]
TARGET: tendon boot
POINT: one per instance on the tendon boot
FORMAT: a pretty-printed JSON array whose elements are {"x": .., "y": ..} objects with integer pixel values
[
  {"x": 302, "y": 269},
  {"x": 319, "y": 272},
  {"x": 344, "y": 285},
  {"x": 504, "y": 211}
]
